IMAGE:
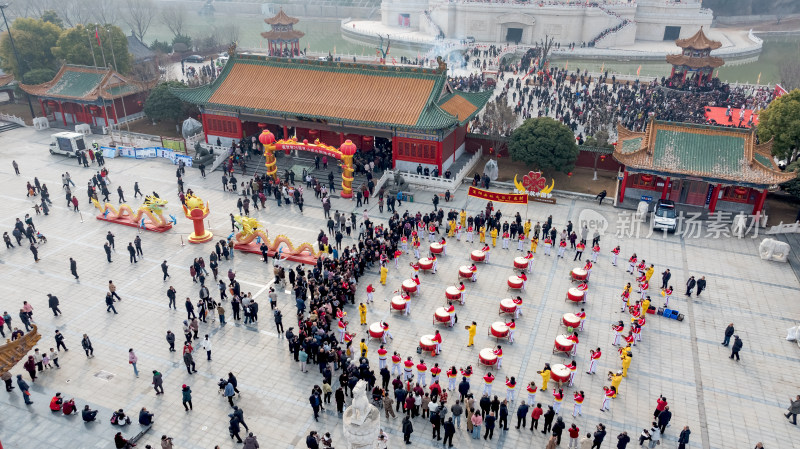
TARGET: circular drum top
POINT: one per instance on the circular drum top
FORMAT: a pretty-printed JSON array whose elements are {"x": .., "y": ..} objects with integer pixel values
[
  {"x": 436, "y": 245},
  {"x": 571, "y": 317},
  {"x": 576, "y": 292},
  {"x": 499, "y": 326},
  {"x": 441, "y": 311},
  {"x": 425, "y": 261},
  {"x": 564, "y": 341},
  {"x": 409, "y": 283},
  {"x": 508, "y": 302},
  {"x": 579, "y": 271},
  {"x": 560, "y": 370},
  {"x": 521, "y": 260},
  {"x": 453, "y": 290},
  {"x": 478, "y": 253},
  {"x": 487, "y": 354},
  {"x": 398, "y": 300},
  {"x": 426, "y": 340},
  {"x": 515, "y": 279},
  {"x": 376, "y": 328}
]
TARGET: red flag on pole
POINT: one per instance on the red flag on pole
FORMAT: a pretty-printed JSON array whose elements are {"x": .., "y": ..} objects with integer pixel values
[
  {"x": 394, "y": 61},
  {"x": 97, "y": 36}
]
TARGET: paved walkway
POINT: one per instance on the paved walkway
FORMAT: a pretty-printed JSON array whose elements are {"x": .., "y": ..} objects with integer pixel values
[{"x": 727, "y": 404}]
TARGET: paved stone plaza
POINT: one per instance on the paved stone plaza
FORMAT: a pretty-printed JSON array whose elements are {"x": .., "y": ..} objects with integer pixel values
[{"x": 726, "y": 404}]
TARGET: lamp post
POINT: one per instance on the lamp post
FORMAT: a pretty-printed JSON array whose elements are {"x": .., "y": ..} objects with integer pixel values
[{"x": 16, "y": 55}]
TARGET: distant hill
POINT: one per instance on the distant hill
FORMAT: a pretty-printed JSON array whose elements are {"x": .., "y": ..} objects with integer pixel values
[{"x": 752, "y": 7}]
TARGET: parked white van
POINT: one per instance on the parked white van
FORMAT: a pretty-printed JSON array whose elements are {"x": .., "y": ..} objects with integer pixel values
[{"x": 67, "y": 143}]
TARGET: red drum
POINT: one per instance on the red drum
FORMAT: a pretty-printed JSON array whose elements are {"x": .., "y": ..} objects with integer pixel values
[
  {"x": 464, "y": 272},
  {"x": 437, "y": 248},
  {"x": 425, "y": 263},
  {"x": 426, "y": 343},
  {"x": 487, "y": 357},
  {"x": 452, "y": 293},
  {"x": 575, "y": 295},
  {"x": 515, "y": 282},
  {"x": 579, "y": 274},
  {"x": 521, "y": 263},
  {"x": 409, "y": 286},
  {"x": 507, "y": 305},
  {"x": 562, "y": 344},
  {"x": 376, "y": 330},
  {"x": 499, "y": 329},
  {"x": 441, "y": 315},
  {"x": 478, "y": 255},
  {"x": 559, "y": 373},
  {"x": 398, "y": 303},
  {"x": 571, "y": 320}
]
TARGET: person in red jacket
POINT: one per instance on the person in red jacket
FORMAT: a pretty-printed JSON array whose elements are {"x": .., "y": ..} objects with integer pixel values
[
  {"x": 55, "y": 403},
  {"x": 535, "y": 415},
  {"x": 574, "y": 434}
]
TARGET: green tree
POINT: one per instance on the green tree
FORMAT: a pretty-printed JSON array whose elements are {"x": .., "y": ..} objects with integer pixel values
[
  {"x": 73, "y": 46},
  {"x": 793, "y": 187},
  {"x": 545, "y": 143},
  {"x": 163, "y": 47},
  {"x": 51, "y": 16},
  {"x": 34, "y": 39},
  {"x": 38, "y": 76},
  {"x": 781, "y": 122},
  {"x": 161, "y": 104}
]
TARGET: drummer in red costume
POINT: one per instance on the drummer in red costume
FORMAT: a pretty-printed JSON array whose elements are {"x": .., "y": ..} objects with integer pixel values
[
  {"x": 474, "y": 271},
  {"x": 524, "y": 279},
  {"x": 511, "y": 388},
  {"x": 582, "y": 316},
  {"x": 417, "y": 281},
  {"x": 386, "y": 332},
  {"x": 435, "y": 262},
  {"x": 396, "y": 359},
  {"x": 639, "y": 325},
  {"x": 408, "y": 366},
  {"x": 521, "y": 242},
  {"x": 614, "y": 255},
  {"x": 435, "y": 371},
  {"x": 340, "y": 313},
  {"x": 608, "y": 394},
  {"x": 531, "y": 394},
  {"x": 595, "y": 253},
  {"x": 486, "y": 251},
  {"x": 458, "y": 232},
  {"x": 667, "y": 295},
  {"x": 342, "y": 329},
  {"x": 407, "y": 298},
  {"x": 626, "y": 295},
  {"x": 431, "y": 233},
  {"x": 562, "y": 246},
  {"x": 451, "y": 310},
  {"x": 588, "y": 269},
  {"x": 443, "y": 242},
  {"x": 404, "y": 243},
  {"x": 558, "y": 398},
  {"x": 579, "y": 251},
  {"x": 573, "y": 368},
  {"x": 548, "y": 245},
  {"x": 630, "y": 339},
  {"x": 512, "y": 325},
  {"x": 452, "y": 375},
  {"x": 469, "y": 234},
  {"x": 578, "y": 397},
  {"x": 416, "y": 245},
  {"x": 348, "y": 340},
  {"x": 529, "y": 256},
  {"x": 463, "y": 289},
  {"x": 499, "y": 353},
  {"x": 518, "y": 310},
  {"x": 574, "y": 338},
  {"x": 617, "y": 328},
  {"x": 414, "y": 268},
  {"x": 506, "y": 235},
  {"x": 631, "y": 264},
  {"x": 595, "y": 357},
  {"x": 370, "y": 291},
  {"x": 644, "y": 287},
  {"x": 487, "y": 383},
  {"x": 422, "y": 370},
  {"x": 437, "y": 338},
  {"x": 382, "y": 353},
  {"x": 397, "y": 255}
]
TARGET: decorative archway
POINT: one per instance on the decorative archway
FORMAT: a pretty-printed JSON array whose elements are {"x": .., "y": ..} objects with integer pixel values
[{"x": 344, "y": 153}]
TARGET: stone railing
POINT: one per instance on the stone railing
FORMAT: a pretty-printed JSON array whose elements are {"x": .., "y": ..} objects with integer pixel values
[
  {"x": 12, "y": 119},
  {"x": 433, "y": 182},
  {"x": 791, "y": 228}
]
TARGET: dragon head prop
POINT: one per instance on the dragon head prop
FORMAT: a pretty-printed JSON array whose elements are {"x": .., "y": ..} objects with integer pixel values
[
  {"x": 248, "y": 225},
  {"x": 154, "y": 204}
]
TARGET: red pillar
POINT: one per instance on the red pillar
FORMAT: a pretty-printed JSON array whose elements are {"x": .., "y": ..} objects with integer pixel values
[
  {"x": 622, "y": 189},
  {"x": 285, "y": 132},
  {"x": 341, "y": 138},
  {"x": 455, "y": 142},
  {"x": 684, "y": 75},
  {"x": 673, "y": 72},
  {"x": 395, "y": 145},
  {"x": 44, "y": 112},
  {"x": 712, "y": 206},
  {"x": 760, "y": 202},
  {"x": 63, "y": 114},
  {"x": 439, "y": 156},
  {"x": 105, "y": 116},
  {"x": 665, "y": 190}
]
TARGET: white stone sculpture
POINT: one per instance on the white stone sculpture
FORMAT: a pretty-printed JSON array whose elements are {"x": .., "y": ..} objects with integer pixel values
[
  {"x": 641, "y": 211},
  {"x": 83, "y": 128},
  {"x": 361, "y": 421},
  {"x": 739, "y": 225},
  {"x": 40, "y": 123},
  {"x": 771, "y": 249}
]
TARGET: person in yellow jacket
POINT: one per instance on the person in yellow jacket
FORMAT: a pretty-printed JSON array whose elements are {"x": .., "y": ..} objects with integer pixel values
[
  {"x": 462, "y": 217},
  {"x": 473, "y": 329},
  {"x": 452, "y": 225},
  {"x": 534, "y": 244},
  {"x": 527, "y": 228},
  {"x": 362, "y": 313},
  {"x": 645, "y": 305},
  {"x": 545, "y": 372},
  {"x": 384, "y": 272},
  {"x": 363, "y": 348},
  {"x": 483, "y": 234},
  {"x": 494, "y": 237},
  {"x": 626, "y": 363},
  {"x": 615, "y": 379},
  {"x": 649, "y": 272}
]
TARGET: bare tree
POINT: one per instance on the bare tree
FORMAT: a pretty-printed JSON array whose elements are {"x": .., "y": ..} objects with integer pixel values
[
  {"x": 104, "y": 11},
  {"x": 74, "y": 12},
  {"x": 173, "y": 18},
  {"x": 546, "y": 45},
  {"x": 790, "y": 73},
  {"x": 139, "y": 15},
  {"x": 499, "y": 119},
  {"x": 229, "y": 34}
]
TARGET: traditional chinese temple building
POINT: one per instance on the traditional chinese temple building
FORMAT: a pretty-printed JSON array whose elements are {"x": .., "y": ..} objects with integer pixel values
[
  {"x": 283, "y": 39},
  {"x": 711, "y": 167},
  {"x": 94, "y": 95},
  {"x": 415, "y": 108},
  {"x": 695, "y": 57}
]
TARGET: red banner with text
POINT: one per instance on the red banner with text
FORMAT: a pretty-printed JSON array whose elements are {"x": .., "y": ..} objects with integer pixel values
[{"x": 513, "y": 198}]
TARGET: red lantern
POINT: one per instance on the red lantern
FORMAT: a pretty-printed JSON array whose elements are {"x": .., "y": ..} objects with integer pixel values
[
  {"x": 569, "y": 174},
  {"x": 140, "y": 103},
  {"x": 646, "y": 178},
  {"x": 348, "y": 148},
  {"x": 740, "y": 190},
  {"x": 266, "y": 137},
  {"x": 52, "y": 103},
  {"x": 602, "y": 157},
  {"x": 262, "y": 125}
]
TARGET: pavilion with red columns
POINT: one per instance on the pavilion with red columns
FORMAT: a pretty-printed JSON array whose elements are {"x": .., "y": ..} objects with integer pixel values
[
  {"x": 695, "y": 56},
  {"x": 711, "y": 167},
  {"x": 283, "y": 39}
]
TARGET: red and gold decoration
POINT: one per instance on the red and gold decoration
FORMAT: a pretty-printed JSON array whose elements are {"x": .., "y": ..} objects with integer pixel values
[
  {"x": 512, "y": 198},
  {"x": 535, "y": 186},
  {"x": 196, "y": 209}
]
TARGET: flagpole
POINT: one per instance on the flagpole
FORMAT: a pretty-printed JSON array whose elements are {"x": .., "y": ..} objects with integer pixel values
[{"x": 122, "y": 98}]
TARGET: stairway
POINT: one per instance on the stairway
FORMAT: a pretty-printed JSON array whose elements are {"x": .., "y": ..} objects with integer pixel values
[{"x": 7, "y": 126}]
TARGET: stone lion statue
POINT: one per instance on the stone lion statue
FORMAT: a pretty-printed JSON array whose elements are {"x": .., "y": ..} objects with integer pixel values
[
  {"x": 399, "y": 181},
  {"x": 771, "y": 249}
]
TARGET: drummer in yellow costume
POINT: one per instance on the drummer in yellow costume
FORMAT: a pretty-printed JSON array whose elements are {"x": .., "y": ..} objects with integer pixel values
[
  {"x": 645, "y": 305},
  {"x": 473, "y": 328},
  {"x": 363, "y": 348},
  {"x": 494, "y": 237},
  {"x": 527, "y": 228},
  {"x": 534, "y": 244},
  {"x": 482, "y": 234},
  {"x": 649, "y": 272},
  {"x": 626, "y": 363},
  {"x": 462, "y": 217},
  {"x": 545, "y": 372},
  {"x": 362, "y": 312},
  {"x": 384, "y": 272},
  {"x": 616, "y": 379},
  {"x": 452, "y": 225}
]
